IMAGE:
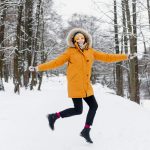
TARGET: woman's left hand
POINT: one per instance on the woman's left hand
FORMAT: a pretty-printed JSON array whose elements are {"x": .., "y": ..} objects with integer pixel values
[{"x": 132, "y": 56}]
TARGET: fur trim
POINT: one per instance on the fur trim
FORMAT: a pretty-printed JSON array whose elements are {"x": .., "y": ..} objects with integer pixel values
[{"x": 71, "y": 35}]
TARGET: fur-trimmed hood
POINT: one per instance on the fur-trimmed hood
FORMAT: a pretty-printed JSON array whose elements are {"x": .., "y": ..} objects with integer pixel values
[{"x": 72, "y": 33}]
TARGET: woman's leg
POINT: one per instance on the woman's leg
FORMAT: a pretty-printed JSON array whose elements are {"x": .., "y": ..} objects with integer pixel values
[
  {"x": 91, "y": 101},
  {"x": 77, "y": 110}
]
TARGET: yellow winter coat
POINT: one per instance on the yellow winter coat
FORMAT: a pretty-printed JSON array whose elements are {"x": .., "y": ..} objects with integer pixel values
[{"x": 79, "y": 67}]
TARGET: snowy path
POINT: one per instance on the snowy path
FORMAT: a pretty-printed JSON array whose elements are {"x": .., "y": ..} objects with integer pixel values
[{"x": 119, "y": 124}]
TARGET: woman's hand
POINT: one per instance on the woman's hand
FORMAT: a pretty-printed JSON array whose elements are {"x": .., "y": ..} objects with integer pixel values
[
  {"x": 132, "y": 56},
  {"x": 32, "y": 68}
]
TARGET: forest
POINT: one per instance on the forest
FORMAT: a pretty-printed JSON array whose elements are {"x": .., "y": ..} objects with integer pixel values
[{"x": 32, "y": 32}]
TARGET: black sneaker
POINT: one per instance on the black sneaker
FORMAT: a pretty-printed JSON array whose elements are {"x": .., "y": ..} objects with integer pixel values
[
  {"x": 51, "y": 119},
  {"x": 85, "y": 133}
]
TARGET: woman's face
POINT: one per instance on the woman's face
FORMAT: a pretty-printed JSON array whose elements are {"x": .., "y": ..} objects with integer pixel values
[{"x": 79, "y": 38}]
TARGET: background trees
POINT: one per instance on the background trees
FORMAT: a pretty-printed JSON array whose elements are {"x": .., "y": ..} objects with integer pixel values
[{"x": 32, "y": 32}]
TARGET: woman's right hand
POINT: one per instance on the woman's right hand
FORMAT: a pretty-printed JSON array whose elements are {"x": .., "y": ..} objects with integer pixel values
[{"x": 32, "y": 68}]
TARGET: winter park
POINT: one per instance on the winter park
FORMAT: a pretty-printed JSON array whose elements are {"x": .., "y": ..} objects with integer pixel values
[{"x": 74, "y": 75}]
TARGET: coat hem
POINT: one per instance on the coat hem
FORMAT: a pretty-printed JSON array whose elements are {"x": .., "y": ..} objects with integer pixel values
[{"x": 80, "y": 96}]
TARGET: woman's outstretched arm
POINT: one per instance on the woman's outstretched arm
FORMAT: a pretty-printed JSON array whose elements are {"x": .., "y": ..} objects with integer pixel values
[
  {"x": 58, "y": 61},
  {"x": 105, "y": 57}
]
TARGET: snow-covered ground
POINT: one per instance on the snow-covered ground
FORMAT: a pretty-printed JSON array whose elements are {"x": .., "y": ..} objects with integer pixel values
[{"x": 119, "y": 124}]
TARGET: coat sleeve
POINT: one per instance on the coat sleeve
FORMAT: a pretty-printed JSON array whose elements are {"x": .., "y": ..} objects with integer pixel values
[
  {"x": 110, "y": 58},
  {"x": 58, "y": 61}
]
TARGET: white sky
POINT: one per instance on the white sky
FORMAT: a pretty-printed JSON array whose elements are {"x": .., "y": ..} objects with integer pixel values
[{"x": 67, "y": 7}]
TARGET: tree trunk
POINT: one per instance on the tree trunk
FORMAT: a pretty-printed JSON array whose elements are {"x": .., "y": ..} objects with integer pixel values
[
  {"x": 136, "y": 94},
  {"x": 125, "y": 40},
  {"x": 36, "y": 45},
  {"x": 43, "y": 57},
  {"x": 134, "y": 81},
  {"x": 148, "y": 7},
  {"x": 6, "y": 72},
  {"x": 17, "y": 81},
  {"x": 119, "y": 74},
  {"x": 2, "y": 30},
  {"x": 28, "y": 37}
]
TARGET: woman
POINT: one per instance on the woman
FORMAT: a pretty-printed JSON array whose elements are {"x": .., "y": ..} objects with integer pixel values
[{"x": 80, "y": 56}]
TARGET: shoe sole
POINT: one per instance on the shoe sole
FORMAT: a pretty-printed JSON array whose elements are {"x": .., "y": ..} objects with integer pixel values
[
  {"x": 49, "y": 123},
  {"x": 86, "y": 139}
]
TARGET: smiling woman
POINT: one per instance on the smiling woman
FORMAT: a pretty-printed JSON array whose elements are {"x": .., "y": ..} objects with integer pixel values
[{"x": 80, "y": 56}]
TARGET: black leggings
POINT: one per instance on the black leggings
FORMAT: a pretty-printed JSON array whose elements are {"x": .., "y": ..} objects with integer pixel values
[{"x": 78, "y": 108}]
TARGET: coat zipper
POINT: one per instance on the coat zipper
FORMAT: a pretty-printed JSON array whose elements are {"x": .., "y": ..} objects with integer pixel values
[
  {"x": 83, "y": 80},
  {"x": 82, "y": 64}
]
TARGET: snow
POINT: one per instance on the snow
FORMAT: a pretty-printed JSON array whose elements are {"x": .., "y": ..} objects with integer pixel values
[{"x": 119, "y": 124}]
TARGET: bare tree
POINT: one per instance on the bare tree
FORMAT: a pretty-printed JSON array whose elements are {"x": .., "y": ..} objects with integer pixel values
[
  {"x": 132, "y": 30},
  {"x": 2, "y": 30},
  {"x": 28, "y": 38},
  {"x": 119, "y": 73},
  {"x": 17, "y": 81},
  {"x": 35, "y": 43},
  {"x": 148, "y": 7}
]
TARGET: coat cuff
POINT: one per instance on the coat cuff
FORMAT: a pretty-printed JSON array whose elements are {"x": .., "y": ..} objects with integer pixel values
[{"x": 36, "y": 68}]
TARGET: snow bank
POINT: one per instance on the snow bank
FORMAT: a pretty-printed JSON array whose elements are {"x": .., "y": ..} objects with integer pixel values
[{"x": 119, "y": 124}]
